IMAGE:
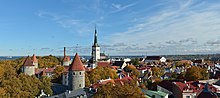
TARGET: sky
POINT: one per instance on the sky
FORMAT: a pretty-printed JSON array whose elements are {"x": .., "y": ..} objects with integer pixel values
[{"x": 125, "y": 27}]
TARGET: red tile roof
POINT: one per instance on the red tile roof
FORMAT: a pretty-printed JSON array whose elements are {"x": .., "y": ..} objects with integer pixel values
[
  {"x": 28, "y": 62},
  {"x": 49, "y": 70},
  {"x": 38, "y": 71},
  {"x": 115, "y": 67},
  {"x": 104, "y": 64},
  {"x": 143, "y": 68},
  {"x": 207, "y": 95},
  {"x": 76, "y": 65},
  {"x": 186, "y": 61},
  {"x": 194, "y": 86},
  {"x": 34, "y": 58},
  {"x": 66, "y": 58}
]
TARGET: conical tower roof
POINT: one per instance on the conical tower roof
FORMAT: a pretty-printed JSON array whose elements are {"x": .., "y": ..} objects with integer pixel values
[
  {"x": 28, "y": 62},
  {"x": 34, "y": 58},
  {"x": 76, "y": 65}
]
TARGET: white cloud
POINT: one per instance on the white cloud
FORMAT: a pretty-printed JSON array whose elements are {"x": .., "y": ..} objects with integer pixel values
[
  {"x": 197, "y": 21},
  {"x": 119, "y": 7}
]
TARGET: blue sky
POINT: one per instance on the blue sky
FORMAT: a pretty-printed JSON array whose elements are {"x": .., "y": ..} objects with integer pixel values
[{"x": 125, "y": 27}]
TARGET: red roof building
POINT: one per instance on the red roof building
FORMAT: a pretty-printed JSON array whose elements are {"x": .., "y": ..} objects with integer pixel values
[
  {"x": 191, "y": 89},
  {"x": 28, "y": 62},
  {"x": 76, "y": 65},
  {"x": 104, "y": 63},
  {"x": 206, "y": 93},
  {"x": 66, "y": 58}
]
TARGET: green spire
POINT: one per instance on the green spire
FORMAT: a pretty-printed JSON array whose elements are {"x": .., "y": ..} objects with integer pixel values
[{"x": 95, "y": 39}]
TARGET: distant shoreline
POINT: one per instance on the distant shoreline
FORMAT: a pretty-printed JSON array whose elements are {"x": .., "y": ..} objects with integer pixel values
[{"x": 173, "y": 57}]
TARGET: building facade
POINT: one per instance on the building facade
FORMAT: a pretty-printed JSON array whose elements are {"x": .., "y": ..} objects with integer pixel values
[
  {"x": 28, "y": 66},
  {"x": 76, "y": 74}
]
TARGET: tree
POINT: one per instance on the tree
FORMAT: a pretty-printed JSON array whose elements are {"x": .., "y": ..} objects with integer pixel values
[
  {"x": 87, "y": 82},
  {"x": 204, "y": 73},
  {"x": 128, "y": 90},
  {"x": 196, "y": 73},
  {"x": 2, "y": 92},
  {"x": 135, "y": 62},
  {"x": 57, "y": 74},
  {"x": 46, "y": 85},
  {"x": 1, "y": 73},
  {"x": 13, "y": 85},
  {"x": 48, "y": 61},
  {"x": 132, "y": 69},
  {"x": 101, "y": 72},
  {"x": 30, "y": 84},
  {"x": 158, "y": 72}
]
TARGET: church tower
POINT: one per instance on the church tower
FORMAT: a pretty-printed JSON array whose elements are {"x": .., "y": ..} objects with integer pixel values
[
  {"x": 76, "y": 75},
  {"x": 95, "y": 49}
]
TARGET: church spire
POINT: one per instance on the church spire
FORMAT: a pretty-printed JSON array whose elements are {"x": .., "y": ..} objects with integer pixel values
[{"x": 95, "y": 39}]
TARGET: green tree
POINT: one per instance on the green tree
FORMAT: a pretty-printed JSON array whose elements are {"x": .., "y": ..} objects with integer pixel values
[
  {"x": 30, "y": 84},
  {"x": 46, "y": 85},
  {"x": 87, "y": 82},
  {"x": 135, "y": 62},
  {"x": 57, "y": 74}
]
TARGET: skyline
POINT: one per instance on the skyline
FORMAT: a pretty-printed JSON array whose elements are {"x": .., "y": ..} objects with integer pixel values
[{"x": 128, "y": 27}]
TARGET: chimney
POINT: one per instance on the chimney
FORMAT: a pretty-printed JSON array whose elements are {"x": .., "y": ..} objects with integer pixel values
[{"x": 64, "y": 51}]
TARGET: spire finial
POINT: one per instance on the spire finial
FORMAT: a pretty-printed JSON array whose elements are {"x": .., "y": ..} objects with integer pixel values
[{"x": 95, "y": 37}]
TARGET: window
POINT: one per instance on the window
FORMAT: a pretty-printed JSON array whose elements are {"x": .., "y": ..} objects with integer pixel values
[
  {"x": 73, "y": 73},
  {"x": 80, "y": 73},
  {"x": 187, "y": 96},
  {"x": 79, "y": 85}
]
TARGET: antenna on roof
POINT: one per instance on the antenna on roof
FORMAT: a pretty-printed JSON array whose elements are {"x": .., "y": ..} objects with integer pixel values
[
  {"x": 28, "y": 53},
  {"x": 34, "y": 50},
  {"x": 76, "y": 48}
]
